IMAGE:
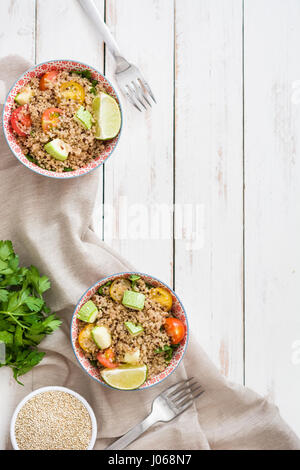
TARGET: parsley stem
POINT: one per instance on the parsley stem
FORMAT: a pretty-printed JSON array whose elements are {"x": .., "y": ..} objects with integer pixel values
[
  {"x": 14, "y": 318},
  {"x": 18, "y": 314}
]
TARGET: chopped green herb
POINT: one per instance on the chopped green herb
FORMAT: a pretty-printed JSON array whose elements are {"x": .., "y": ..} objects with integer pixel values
[
  {"x": 168, "y": 351},
  {"x": 87, "y": 74},
  {"x": 24, "y": 317},
  {"x": 100, "y": 290},
  {"x": 31, "y": 159},
  {"x": 83, "y": 73},
  {"x": 67, "y": 169},
  {"x": 93, "y": 90},
  {"x": 133, "y": 278}
]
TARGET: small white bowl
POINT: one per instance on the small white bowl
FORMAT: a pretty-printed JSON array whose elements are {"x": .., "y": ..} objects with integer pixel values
[{"x": 51, "y": 389}]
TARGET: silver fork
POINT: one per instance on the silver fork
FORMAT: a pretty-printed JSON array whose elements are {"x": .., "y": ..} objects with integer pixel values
[
  {"x": 166, "y": 406},
  {"x": 128, "y": 76}
]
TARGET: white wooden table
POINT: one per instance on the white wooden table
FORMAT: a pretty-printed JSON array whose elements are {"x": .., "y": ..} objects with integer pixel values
[{"x": 222, "y": 144}]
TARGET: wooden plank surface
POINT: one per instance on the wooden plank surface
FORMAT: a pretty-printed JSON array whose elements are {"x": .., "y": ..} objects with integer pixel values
[
  {"x": 60, "y": 26},
  {"x": 139, "y": 178},
  {"x": 17, "y": 28},
  {"x": 59, "y": 35},
  {"x": 209, "y": 174},
  {"x": 272, "y": 221},
  {"x": 192, "y": 54}
]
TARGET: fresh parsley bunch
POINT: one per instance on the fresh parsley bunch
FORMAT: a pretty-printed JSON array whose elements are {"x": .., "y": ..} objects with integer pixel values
[{"x": 24, "y": 317}]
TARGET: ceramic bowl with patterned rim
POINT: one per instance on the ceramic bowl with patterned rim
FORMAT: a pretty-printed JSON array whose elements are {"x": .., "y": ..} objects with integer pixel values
[
  {"x": 38, "y": 71},
  {"x": 177, "y": 309}
]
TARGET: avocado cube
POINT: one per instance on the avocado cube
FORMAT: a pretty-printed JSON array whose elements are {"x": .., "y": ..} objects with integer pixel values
[
  {"x": 134, "y": 300},
  {"x": 58, "y": 149},
  {"x": 84, "y": 117},
  {"x": 88, "y": 312},
  {"x": 24, "y": 97},
  {"x": 133, "y": 329}
]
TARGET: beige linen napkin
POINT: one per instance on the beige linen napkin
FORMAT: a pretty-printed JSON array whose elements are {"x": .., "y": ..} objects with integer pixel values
[{"x": 49, "y": 222}]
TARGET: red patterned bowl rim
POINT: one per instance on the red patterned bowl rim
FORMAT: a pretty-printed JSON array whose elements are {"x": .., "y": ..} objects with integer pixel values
[
  {"x": 179, "y": 312},
  {"x": 37, "y": 71}
]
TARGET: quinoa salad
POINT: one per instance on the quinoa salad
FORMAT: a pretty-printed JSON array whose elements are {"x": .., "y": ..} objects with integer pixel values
[
  {"x": 63, "y": 120},
  {"x": 127, "y": 327}
]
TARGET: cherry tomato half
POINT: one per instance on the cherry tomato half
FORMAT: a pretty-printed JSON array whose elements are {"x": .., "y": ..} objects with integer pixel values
[
  {"x": 50, "y": 118},
  {"x": 162, "y": 296},
  {"x": 107, "y": 358},
  {"x": 20, "y": 121},
  {"x": 117, "y": 289},
  {"x": 85, "y": 338},
  {"x": 72, "y": 91},
  {"x": 48, "y": 78},
  {"x": 175, "y": 329}
]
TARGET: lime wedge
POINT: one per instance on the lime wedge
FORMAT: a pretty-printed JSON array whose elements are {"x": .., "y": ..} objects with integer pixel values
[
  {"x": 125, "y": 377},
  {"x": 107, "y": 115}
]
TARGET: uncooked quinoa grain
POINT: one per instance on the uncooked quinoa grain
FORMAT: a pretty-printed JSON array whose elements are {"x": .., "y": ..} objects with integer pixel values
[{"x": 53, "y": 420}]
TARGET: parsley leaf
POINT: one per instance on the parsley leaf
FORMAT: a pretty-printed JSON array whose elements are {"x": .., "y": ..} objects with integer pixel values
[
  {"x": 32, "y": 159},
  {"x": 3, "y": 295},
  {"x": 83, "y": 73},
  {"x": 6, "y": 337},
  {"x": 40, "y": 283},
  {"x": 34, "y": 304},
  {"x": 25, "y": 362},
  {"x": 6, "y": 250},
  {"x": 133, "y": 278},
  {"x": 100, "y": 290}
]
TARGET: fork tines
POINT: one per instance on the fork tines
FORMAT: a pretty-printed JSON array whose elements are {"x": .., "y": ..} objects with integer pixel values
[
  {"x": 138, "y": 92},
  {"x": 183, "y": 394}
]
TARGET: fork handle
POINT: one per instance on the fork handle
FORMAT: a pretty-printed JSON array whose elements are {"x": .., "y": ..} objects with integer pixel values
[
  {"x": 133, "y": 434},
  {"x": 94, "y": 15}
]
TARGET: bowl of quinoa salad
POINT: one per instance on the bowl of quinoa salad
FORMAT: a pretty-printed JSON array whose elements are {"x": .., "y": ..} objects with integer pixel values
[
  {"x": 62, "y": 119},
  {"x": 129, "y": 331}
]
